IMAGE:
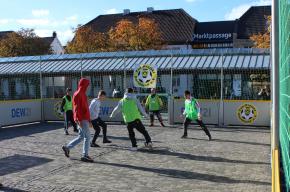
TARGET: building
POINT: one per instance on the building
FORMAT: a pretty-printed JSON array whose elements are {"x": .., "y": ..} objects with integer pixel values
[
  {"x": 53, "y": 41},
  {"x": 245, "y": 72},
  {"x": 181, "y": 31}
]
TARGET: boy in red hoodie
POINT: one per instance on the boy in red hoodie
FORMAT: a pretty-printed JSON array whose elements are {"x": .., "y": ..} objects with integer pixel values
[{"x": 82, "y": 118}]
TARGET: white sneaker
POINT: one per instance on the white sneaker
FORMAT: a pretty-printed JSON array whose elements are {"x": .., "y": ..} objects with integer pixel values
[
  {"x": 133, "y": 149},
  {"x": 149, "y": 145}
]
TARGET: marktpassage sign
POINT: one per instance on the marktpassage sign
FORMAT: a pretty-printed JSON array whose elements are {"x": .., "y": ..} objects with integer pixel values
[
  {"x": 145, "y": 76},
  {"x": 212, "y": 36}
]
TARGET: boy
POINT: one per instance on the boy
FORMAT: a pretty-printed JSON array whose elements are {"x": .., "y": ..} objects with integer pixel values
[
  {"x": 192, "y": 112},
  {"x": 66, "y": 107},
  {"x": 131, "y": 108},
  {"x": 96, "y": 120},
  {"x": 154, "y": 105},
  {"x": 82, "y": 118}
]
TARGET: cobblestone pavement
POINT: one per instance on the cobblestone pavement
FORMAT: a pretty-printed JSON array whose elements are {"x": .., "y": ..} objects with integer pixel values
[{"x": 237, "y": 159}]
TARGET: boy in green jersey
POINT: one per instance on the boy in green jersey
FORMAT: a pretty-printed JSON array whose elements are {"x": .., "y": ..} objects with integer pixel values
[
  {"x": 154, "y": 105},
  {"x": 192, "y": 112},
  {"x": 131, "y": 108}
]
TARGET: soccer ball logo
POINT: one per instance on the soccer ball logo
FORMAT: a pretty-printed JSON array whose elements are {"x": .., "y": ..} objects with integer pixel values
[
  {"x": 144, "y": 75},
  {"x": 57, "y": 110},
  {"x": 247, "y": 113}
]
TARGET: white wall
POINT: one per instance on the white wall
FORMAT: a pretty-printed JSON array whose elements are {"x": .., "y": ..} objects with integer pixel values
[{"x": 56, "y": 47}]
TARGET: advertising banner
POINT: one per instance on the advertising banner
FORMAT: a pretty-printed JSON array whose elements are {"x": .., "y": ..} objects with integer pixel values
[
  {"x": 17, "y": 112},
  {"x": 145, "y": 76},
  {"x": 209, "y": 111},
  {"x": 52, "y": 111}
]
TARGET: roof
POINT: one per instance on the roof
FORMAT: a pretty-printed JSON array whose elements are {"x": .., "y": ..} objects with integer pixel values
[
  {"x": 115, "y": 61},
  {"x": 4, "y": 33},
  {"x": 254, "y": 21},
  {"x": 175, "y": 25},
  {"x": 48, "y": 40}
]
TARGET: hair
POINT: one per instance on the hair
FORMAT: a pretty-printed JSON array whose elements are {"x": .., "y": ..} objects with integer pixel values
[
  {"x": 130, "y": 90},
  {"x": 186, "y": 92},
  {"x": 102, "y": 93},
  {"x": 68, "y": 89}
]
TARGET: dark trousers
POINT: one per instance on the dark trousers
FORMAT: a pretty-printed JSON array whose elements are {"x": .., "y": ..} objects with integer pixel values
[
  {"x": 200, "y": 123},
  {"x": 69, "y": 118},
  {"x": 97, "y": 123},
  {"x": 158, "y": 115},
  {"x": 140, "y": 127}
]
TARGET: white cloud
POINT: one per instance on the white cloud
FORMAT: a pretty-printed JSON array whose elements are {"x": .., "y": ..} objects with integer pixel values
[
  {"x": 43, "y": 32},
  {"x": 40, "y": 12},
  {"x": 238, "y": 11},
  {"x": 72, "y": 20},
  {"x": 191, "y": 1},
  {"x": 4, "y": 21},
  {"x": 111, "y": 11},
  {"x": 34, "y": 22}
]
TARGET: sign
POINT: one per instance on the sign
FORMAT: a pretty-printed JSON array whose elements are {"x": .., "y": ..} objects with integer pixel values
[
  {"x": 17, "y": 112},
  {"x": 145, "y": 76},
  {"x": 247, "y": 113},
  {"x": 57, "y": 110},
  {"x": 212, "y": 36}
]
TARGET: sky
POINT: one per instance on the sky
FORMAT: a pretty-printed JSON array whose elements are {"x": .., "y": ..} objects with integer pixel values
[{"x": 63, "y": 16}]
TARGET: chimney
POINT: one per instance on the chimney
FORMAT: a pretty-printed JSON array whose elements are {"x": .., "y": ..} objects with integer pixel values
[
  {"x": 126, "y": 11},
  {"x": 150, "y": 9},
  {"x": 54, "y": 35}
]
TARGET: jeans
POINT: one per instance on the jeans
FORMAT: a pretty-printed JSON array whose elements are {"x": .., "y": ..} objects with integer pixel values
[
  {"x": 200, "y": 123},
  {"x": 140, "y": 127},
  {"x": 84, "y": 134},
  {"x": 97, "y": 123}
]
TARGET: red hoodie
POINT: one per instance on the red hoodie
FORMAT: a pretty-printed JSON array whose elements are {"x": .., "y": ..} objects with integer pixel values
[{"x": 80, "y": 102}]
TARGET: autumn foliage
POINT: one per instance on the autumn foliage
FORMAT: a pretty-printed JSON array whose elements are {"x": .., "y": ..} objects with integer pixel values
[
  {"x": 125, "y": 36},
  {"x": 23, "y": 42},
  {"x": 263, "y": 40}
]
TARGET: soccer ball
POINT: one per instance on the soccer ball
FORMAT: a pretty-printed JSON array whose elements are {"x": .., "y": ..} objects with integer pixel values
[
  {"x": 247, "y": 113},
  {"x": 144, "y": 76}
]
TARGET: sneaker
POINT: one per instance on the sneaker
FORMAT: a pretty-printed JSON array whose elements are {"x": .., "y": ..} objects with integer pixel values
[
  {"x": 133, "y": 149},
  {"x": 209, "y": 137},
  {"x": 151, "y": 125},
  {"x": 87, "y": 159},
  {"x": 149, "y": 145},
  {"x": 66, "y": 132},
  {"x": 66, "y": 151},
  {"x": 94, "y": 145},
  {"x": 184, "y": 136},
  {"x": 107, "y": 141}
]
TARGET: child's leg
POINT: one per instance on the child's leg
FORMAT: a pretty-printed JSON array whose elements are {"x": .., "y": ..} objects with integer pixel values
[
  {"x": 185, "y": 125},
  {"x": 97, "y": 130},
  {"x": 130, "y": 128},
  {"x": 140, "y": 127},
  {"x": 104, "y": 127},
  {"x": 151, "y": 114},
  {"x": 158, "y": 114},
  {"x": 204, "y": 128}
]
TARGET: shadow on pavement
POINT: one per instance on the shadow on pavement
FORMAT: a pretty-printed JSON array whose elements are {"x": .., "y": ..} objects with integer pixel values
[
  {"x": 27, "y": 130},
  {"x": 9, "y": 189},
  {"x": 231, "y": 141},
  {"x": 186, "y": 174},
  {"x": 17, "y": 163},
  {"x": 199, "y": 158}
]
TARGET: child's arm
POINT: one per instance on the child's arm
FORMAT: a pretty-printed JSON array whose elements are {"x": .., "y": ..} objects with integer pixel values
[
  {"x": 160, "y": 102},
  {"x": 141, "y": 109}
]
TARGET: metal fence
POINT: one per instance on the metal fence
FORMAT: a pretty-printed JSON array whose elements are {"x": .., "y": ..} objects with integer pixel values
[{"x": 234, "y": 74}]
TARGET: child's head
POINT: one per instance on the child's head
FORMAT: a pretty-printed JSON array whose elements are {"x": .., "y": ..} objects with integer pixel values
[
  {"x": 102, "y": 95},
  {"x": 153, "y": 91},
  {"x": 187, "y": 94},
  {"x": 68, "y": 91}
]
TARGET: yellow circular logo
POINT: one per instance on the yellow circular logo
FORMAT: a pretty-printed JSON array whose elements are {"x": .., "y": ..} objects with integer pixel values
[
  {"x": 57, "y": 110},
  {"x": 145, "y": 75},
  {"x": 247, "y": 113}
]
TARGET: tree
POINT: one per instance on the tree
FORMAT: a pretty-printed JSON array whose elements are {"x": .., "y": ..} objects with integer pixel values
[
  {"x": 23, "y": 43},
  {"x": 86, "y": 40},
  {"x": 263, "y": 40},
  {"x": 141, "y": 36}
]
